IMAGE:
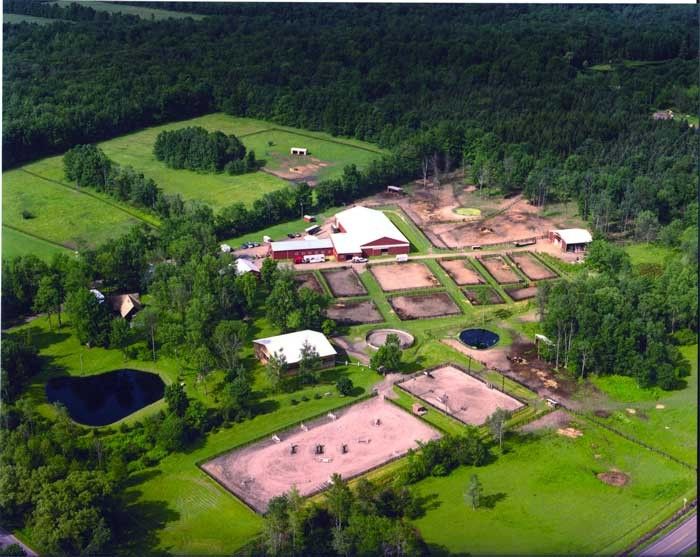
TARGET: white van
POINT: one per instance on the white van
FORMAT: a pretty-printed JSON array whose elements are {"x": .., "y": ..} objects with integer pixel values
[
  {"x": 316, "y": 258},
  {"x": 402, "y": 258}
]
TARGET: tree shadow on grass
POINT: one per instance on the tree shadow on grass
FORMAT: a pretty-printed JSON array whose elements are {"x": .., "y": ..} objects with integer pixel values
[
  {"x": 41, "y": 338},
  {"x": 437, "y": 550},
  {"x": 490, "y": 501},
  {"x": 425, "y": 503},
  {"x": 266, "y": 406}
]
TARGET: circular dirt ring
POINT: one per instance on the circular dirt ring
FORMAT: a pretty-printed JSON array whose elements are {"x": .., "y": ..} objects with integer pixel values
[{"x": 377, "y": 338}]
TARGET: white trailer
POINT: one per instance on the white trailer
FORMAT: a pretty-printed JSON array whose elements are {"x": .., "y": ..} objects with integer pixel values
[
  {"x": 402, "y": 258},
  {"x": 266, "y": 239},
  {"x": 316, "y": 258}
]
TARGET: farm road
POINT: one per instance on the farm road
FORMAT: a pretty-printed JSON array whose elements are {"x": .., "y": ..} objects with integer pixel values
[{"x": 6, "y": 538}]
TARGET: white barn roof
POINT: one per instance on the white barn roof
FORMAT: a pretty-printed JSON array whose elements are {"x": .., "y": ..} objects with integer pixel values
[
  {"x": 575, "y": 236},
  {"x": 291, "y": 245},
  {"x": 366, "y": 226},
  {"x": 290, "y": 344},
  {"x": 244, "y": 266}
]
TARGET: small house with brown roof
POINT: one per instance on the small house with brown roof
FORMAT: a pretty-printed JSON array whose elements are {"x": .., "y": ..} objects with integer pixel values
[{"x": 125, "y": 305}]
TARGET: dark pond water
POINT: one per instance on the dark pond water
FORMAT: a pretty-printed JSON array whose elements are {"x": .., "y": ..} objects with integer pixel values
[
  {"x": 478, "y": 338},
  {"x": 105, "y": 398}
]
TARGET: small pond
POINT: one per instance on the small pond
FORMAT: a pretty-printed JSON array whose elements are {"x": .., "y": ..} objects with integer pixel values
[
  {"x": 105, "y": 398},
  {"x": 478, "y": 338}
]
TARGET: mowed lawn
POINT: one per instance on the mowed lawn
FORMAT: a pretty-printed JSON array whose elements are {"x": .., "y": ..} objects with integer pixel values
[
  {"x": 667, "y": 420},
  {"x": 16, "y": 243},
  {"x": 73, "y": 218},
  {"x": 543, "y": 497}
]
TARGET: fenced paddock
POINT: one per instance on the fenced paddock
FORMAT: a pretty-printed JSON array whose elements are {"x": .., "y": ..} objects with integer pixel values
[
  {"x": 404, "y": 276},
  {"x": 531, "y": 267},
  {"x": 499, "y": 269},
  {"x": 354, "y": 440},
  {"x": 461, "y": 271},
  {"x": 462, "y": 396},
  {"x": 344, "y": 282}
]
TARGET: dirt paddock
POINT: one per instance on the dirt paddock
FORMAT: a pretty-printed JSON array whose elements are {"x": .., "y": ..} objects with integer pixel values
[
  {"x": 473, "y": 296},
  {"x": 256, "y": 473},
  {"x": 351, "y": 313},
  {"x": 461, "y": 271},
  {"x": 308, "y": 280},
  {"x": 429, "y": 305},
  {"x": 531, "y": 267},
  {"x": 344, "y": 282},
  {"x": 459, "y": 394},
  {"x": 522, "y": 293},
  {"x": 499, "y": 269},
  {"x": 404, "y": 276}
]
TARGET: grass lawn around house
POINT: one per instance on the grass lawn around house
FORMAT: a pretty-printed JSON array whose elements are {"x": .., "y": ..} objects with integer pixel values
[
  {"x": 543, "y": 497},
  {"x": 16, "y": 243},
  {"x": 673, "y": 427}
]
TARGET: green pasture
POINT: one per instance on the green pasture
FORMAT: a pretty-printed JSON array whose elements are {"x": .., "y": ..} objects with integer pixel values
[
  {"x": 468, "y": 211},
  {"x": 140, "y": 11},
  {"x": 673, "y": 428},
  {"x": 647, "y": 253},
  {"x": 21, "y": 18},
  {"x": 74, "y": 218},
  {"x": 543, "y": 497},
  {"x": 16, "y": 243}
]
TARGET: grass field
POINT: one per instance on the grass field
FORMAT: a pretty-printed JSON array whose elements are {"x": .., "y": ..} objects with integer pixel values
[
  {"x": 673, "y": 428},
  {"x": 62, "y": 214},
  {"x": 20, "y": 18},
  {"x": 647, "y": 253},
  {"x": 16, "y": 243},
  {"x": 543, "y": 497},
  {"x": 142, "y": 12}
]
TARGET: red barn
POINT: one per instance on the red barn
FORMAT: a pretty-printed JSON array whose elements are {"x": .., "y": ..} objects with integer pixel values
[
  {"x": 292, "y": 249},
  {"x": 366, "y": 232}
]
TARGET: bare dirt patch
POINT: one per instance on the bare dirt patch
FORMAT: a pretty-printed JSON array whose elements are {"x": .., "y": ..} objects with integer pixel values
[
  {"x": 298, "y": 169},
  {"x": 614, "y": 477},
  {"x": 378, "y": 337},
  {"x": 522, "y": 293},
  {"x": 570, "y": 432},
  {"x": 351, "y": 444},
  {"x": 472, "y": 295},
  {"x": 530, "y": 266},
  {"x": 344, "y": 282},
  {"x": 404, "y": 276},
  {"x": 353, "y": 313},
  {"x": 499, "y": 269},
  {"x": 461, "y": 271},
  {"x": 308, "y": 280},
  {"x": 493, "y": 358},
  {"x": 557, "y": 419},
  {"x": 459, "y": 394},
  {"x": 419, "y": 307}
]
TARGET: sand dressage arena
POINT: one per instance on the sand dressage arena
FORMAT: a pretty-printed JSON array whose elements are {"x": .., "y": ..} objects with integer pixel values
[
  {"x": 351, "y": 444},
  {"x": 499, "y": 269},
  {"x": 344, "y": 282},
  {"x": 461, "y": 271},
  {"x": 404, "y": 276},
  {"x": 354, "y": 312},
  {"x": 531, "y": 267},
  {"x": 460, "y": 395},
  {"x": 429, "y": 305}
]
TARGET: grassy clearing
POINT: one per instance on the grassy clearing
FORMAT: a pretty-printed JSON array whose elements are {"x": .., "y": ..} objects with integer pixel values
[
  {"x": 543, "y": 497},
  {"x": 142, "y": 12},
  {"x": 16, "y": 243},
  {"x": 20, "y": 18},
  {"x": 647, "y": 253},
  {"x": 419, "y": 243},
  {"x": 673, "y": 428},
  {"x": 63, "y": 214},
  {"x": 468, "y": 211}
]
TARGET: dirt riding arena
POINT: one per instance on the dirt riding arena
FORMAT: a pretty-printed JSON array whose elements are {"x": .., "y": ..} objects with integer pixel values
[
  {"x": 404, "y": 276},
  {"x": 499, "y": 269},
  {"x": 308, "y": 280},
  {"x": 519, "y": 294},
  {"x": 531, "y": 267},
  {"x": 461, "y": 271},
  {"x": 353, "y": 313},
  {"x": 421, "y": 307},
  {"x": 459, "y": 394},
  {"x": 378, "y": 337},
  {"x": 473, "y": 296},
  {"x": 361, "y": 437},
  {"x": 344, "y": 282}
]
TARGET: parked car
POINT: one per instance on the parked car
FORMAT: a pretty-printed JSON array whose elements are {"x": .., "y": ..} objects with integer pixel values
[
  {"x": 358, "y": 259},
  {"x": 255, "y": 244},
  {"x": 290, "y": 235},
  {"x": 297, "y": 235}
]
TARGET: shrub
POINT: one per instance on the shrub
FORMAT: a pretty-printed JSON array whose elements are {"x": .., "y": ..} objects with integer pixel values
[
  {"x": 27, "y": 214},
  {"x": 344, "y": 386},
  {"x": 684, "y": 337},
  {"x": 294, "y": 402}
]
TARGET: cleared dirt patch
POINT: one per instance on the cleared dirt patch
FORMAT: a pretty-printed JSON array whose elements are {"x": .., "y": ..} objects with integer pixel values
[
  {"x": 308, "y": 280},
  {"x": 522, "y": 293},
  {"x": 557, "y": 419},
  {"x": 472, "y": 295},
  {"x": 351, "y": 443},
  {"x": 614, "y": 477},
  {"x": 461, "y": 271},
  {"x": 499, "y": 269},
  {"x": 531, "y": 267},
  {"x": 378, "y": 337},
  {"x": 570, "y": 432},
  {"x": 459, "y": 394},
  {"x": 404, "y": 276},
  {"x": 352, "y": 313},
  {"x": 344, "y": 282},
  {"x": 429, "y": 305}
]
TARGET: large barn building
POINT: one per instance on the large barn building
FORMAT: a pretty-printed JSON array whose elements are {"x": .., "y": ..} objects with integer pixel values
[
  {"x": 290, "y": 346},
  {"x": 366, "y": 232},
  {"x": 292, "y": 249},
  {"x": 571, "y": 239}
]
